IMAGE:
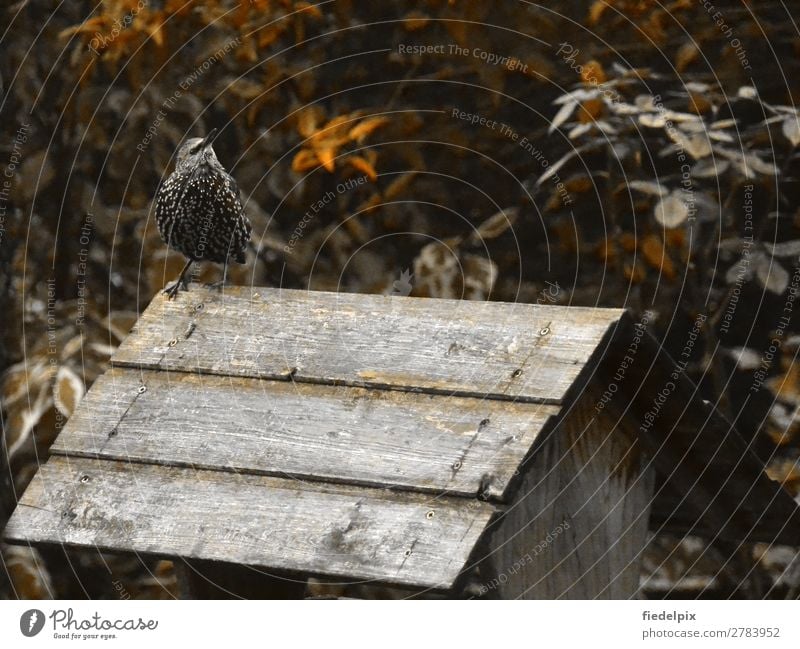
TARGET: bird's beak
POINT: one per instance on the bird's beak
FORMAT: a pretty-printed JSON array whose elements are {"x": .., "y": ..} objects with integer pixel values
[{"x": 208, "y": 139}]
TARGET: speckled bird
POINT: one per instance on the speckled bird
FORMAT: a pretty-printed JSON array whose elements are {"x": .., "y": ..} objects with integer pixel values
[{"x": 198, "y": 210}]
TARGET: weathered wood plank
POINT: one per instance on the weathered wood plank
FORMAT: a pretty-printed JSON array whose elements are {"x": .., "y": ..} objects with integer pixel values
[
  {"x": 341, "y": 434},
  {"x": 520, "y": 352},
  {"x": 348, "y": 532}
]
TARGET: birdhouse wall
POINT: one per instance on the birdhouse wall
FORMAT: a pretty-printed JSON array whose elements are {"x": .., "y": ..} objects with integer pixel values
[{"x": 578, "y": 526}]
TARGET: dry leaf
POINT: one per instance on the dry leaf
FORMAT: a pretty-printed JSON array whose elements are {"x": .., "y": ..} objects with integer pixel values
[
  {"x": 709, "y": 168},
  {"x": 36, "y": 173},
  {"x": 68, "y": 391},
  {"x": 746, "y": 358},
  {"x": 770, "y": 274},
  {"x": 651, "y": 188},
  {"x": 784, "y": 249},
  {"x": 791, "y": 129},
  {"x": 562, "y": 115},
  {"x": 672, "y": 211},
  {"x": 495, "y": 225}
]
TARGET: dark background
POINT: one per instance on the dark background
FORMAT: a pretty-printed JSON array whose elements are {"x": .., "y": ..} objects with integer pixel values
[{"x": 310, "y": 98}]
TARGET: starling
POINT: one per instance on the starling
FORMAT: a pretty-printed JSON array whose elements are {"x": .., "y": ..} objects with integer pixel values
[{"x": 198, "y": 210}]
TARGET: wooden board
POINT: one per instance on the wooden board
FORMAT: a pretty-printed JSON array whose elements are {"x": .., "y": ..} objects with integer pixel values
[
  {"x": 351, "y": 532},
  {"x": 321, "y": 432},
  {"x": 519, "y": 352}
]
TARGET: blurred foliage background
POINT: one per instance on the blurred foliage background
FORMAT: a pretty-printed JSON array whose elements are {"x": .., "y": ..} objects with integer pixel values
[{"x": 606, "y": 153}]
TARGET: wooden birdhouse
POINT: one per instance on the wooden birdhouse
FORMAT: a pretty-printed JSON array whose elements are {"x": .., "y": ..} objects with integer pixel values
[{"x": 446, "y": 448}]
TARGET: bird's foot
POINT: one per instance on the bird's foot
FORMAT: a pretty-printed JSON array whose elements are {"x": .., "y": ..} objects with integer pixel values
[
  {"x": 218, "y": 285},
  {"x": 172, "y": 291}
]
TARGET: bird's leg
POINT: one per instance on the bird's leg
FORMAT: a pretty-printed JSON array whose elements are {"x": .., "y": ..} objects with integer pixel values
[
  {"x": 221, "y": 283},
  {"x": 172, "y": 291}
]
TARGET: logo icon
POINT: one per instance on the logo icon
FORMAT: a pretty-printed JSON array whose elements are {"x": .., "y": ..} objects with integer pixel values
[
  {"x": 31, "y": 622},
  {"x": 402, "y": 286}
]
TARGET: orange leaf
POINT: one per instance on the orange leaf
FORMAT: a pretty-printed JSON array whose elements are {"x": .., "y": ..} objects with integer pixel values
[
  {"x": 267, "y": 35},
  {"x": 88, "y": 27},
  {"x": 370, "y": 204},
  {"x": 579, "y": 183},
  {"x": 699, "y": 104},
  {"x": 326, "y": 157},
  {"x": 247, "y": 50},
  {"x": 592, "y": 72},
  {"x": 607, "y": 251},
  {"x": 307, "y": 120},
  {"x": 309, "y": 9},
  {"x": 627, "y": 241},
  {"x": 240, "y": 16},
  {"x": 634, "y": 273},
  {"x": 687, "y": 54},
  {"x": 362, "y": 165},
  {"x": 591, "y": 109},
  {"x": 334, "y": 133},
  {"x": 415, "y": 20},
  {"x": 655, "y": 255},
  {"x": 331, "y": 136},
  {"x": 675, "y": 238},
  {"x": 565, "y": 233},
  {"x": 459, "y": 30},
  {"x": 363, "y": 129},
  {"x": 155, "y": 29},
  {"x": 596, "y": 11},
  {"x": 305, "y": 160},
  {"x": 397, "y": 187}
]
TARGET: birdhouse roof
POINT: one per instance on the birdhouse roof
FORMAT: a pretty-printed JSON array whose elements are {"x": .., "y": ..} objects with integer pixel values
[{"x": 367, "y": 437}]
